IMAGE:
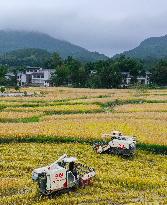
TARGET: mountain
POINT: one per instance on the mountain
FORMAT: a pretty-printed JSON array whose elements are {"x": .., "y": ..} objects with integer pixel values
[
  {"x": 24, "y": 57},
  {"x": 13, "y": 40},
  {"x": 151, "y": 48}
]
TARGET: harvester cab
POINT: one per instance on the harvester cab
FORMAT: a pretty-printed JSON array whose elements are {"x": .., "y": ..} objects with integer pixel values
[
  {"x": 63, "y": 174},
  {"x": 116, "y": 143}
]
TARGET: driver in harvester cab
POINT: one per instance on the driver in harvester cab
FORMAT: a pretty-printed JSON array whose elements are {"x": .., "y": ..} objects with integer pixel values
[{"x": 72, "y": 168}]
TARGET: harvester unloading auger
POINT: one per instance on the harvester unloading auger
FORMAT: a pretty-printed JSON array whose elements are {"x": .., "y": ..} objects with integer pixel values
[
  {"x": 117, "y": 144},
  {"x": 65, "y": 173}
]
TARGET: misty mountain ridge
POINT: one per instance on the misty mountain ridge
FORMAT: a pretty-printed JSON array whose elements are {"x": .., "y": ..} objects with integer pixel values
[
  {"x": 153, "y": 48},
  {"x": 14, "y": 40}
]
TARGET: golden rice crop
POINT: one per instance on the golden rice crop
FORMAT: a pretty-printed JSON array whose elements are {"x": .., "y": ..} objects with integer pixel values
[
  {"x": 72, "y": 93},
  {"x": 17, "y": 103},
  {"x": 117, "y": 180},
  {"x": 122, "y": 181},
  {"x": 69, "y": 93},
  {"x": 18, "y": 115},
  {"x": 108, "y": 115},
  {"x": 149, "y": 131},
  {"x": 160, "y": 97},
  {"x": 149, "y": 107},
  {"x": 58, "y": 108}
]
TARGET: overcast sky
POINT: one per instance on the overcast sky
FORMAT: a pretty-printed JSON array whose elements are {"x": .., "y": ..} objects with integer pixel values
[{"x": 106, "y": 26}]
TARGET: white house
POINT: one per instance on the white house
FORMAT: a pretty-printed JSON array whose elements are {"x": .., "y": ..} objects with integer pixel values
[
  {"x": 34, "y": 76},
  {"x": 142, "y": 79}
]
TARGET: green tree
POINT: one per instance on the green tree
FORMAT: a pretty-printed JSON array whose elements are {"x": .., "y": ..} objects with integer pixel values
[
  {"x": 94, "y": 81},
  {"x": 75, "y": 71},
  {"x": 13, "y": 79},
  {"x": 3, "y": 72},
  {"x": 61, "y": 75},
  {"x": 82, "y": 76},
  {"x": 2, "y": 89},
  {"x": 54, "y": 61},
  {"x": 159, "y": 73},
  {"x": 110, "y": 75}
]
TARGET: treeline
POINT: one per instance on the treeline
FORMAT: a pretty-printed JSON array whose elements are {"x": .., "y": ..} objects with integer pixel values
[
  {"x": 103, "y": 74},
  {"x": 100, "y": 74}
]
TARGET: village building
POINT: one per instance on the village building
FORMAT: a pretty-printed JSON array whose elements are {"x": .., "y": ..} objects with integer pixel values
[
  {"x": 35, "y": 76},
  {"x": 143, "y": 79}
]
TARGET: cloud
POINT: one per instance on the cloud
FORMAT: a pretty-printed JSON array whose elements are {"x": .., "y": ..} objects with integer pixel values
[{"x": 108, "y": 26}]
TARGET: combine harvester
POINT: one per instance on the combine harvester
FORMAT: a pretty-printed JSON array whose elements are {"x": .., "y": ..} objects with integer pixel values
[
  {"x": 117, "y": 144},
  {"x": 63, "y": 174}
]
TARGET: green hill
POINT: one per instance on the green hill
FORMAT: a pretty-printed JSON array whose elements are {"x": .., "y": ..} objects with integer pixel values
[
  {"x": 151, "y": 48},
  {"x": 24, "y": 57},
  {"x": 13, "y": 40}
]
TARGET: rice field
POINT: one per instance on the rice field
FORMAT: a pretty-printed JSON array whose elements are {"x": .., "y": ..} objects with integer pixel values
[{"x": 36, "y": 130}]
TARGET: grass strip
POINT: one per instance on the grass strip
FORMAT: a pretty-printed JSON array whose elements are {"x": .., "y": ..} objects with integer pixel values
[
  {"x": 23, "y": 120},
  {"x": 124, "y": 102},
  {"x": 154, "y": 148}
]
